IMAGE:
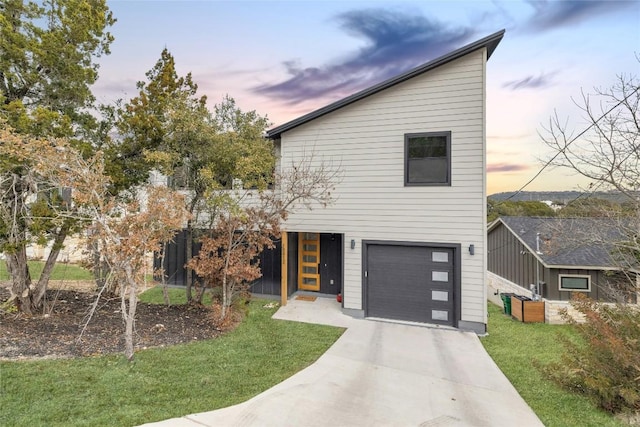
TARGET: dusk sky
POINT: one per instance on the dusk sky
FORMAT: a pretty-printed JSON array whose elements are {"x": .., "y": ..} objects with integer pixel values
[{"x": 284, "y": 59}]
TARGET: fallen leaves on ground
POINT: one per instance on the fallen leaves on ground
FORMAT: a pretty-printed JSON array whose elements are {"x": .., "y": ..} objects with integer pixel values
[{"x": 56, "y": 331}]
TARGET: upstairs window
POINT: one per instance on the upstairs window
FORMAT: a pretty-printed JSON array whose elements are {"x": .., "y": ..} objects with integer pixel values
[{"x": 427, "y": 158}]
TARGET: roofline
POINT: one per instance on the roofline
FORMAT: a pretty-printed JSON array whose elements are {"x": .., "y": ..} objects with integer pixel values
[
  {"x": 584, "y": 267},
  {"x": 490, "y": 43},
  {"x": 531, "y": 250},
  {"x": 499, "y": 220},
  {"x": 493, "y": 224}
]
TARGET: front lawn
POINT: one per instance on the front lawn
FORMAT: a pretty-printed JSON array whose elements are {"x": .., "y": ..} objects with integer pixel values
[
  {"x": 60, "y": 271},
  {"x": 514, "y": 345},
  {"x": 164, "y": 382},
  {"x": 176, "y": 296}
]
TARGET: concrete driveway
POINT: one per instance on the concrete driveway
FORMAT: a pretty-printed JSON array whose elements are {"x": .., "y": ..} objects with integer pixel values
[{"x": 381, "y": 374}]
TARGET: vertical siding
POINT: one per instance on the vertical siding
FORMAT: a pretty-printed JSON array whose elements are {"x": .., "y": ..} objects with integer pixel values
[
  {"x": 601, "y": 281},
  {"x": 366, "y": 140},
  {"x": 510, "y": 259},
  {"x": 506, "y": 259}
]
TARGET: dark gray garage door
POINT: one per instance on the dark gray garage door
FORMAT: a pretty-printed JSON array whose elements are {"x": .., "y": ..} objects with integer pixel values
[{"x": 414, "y": 283}]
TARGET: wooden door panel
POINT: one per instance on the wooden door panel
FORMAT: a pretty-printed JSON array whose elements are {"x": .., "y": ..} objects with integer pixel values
[{"x": 309, "y": 261}]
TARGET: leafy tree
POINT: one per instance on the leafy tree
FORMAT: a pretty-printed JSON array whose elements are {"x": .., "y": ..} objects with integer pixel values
[
  {"x": 605, "y": 365},
  {"x": 591, "y": 207},
  {"x": 238, "y": 153},
  {"x": 47, "y": 52},
  {"x": 517, "y": 208},
  {"x": 168, "y": 127},
  {"x": 144, "y": 124}
]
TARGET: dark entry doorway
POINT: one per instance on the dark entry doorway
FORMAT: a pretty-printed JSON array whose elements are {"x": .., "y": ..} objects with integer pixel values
[{"x": 330, "y": 263}]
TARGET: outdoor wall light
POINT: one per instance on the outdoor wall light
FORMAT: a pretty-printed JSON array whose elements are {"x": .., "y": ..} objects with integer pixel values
[
  {"x": 472, "y": 250},
  {"x": 353, "y": 244}
]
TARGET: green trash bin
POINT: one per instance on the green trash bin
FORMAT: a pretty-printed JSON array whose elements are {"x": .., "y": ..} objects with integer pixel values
[{"x": 506, "y": 303}]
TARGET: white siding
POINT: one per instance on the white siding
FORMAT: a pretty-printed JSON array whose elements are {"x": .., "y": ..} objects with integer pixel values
[{"x": 367, "y": 140}]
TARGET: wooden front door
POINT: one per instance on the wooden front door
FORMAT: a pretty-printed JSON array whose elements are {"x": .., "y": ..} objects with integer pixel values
[{"x": 309, "y": 261}]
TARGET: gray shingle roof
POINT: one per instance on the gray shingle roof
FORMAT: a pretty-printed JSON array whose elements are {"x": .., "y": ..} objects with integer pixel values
[
  {"x": 489, "y": 42},
  {"x": 567, "y": 241}
]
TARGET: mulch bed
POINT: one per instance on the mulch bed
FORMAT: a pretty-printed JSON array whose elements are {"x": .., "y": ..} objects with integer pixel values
[{"x": 57, "y": 333}]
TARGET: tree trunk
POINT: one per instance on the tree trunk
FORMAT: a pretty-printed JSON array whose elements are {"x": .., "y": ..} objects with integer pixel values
[
  {"x": 21, "y": 280},
  {"x": 223, "y": 308},
  {"x": 226, "y": 292},
  {"x": 43, "y": 282},
  {"x": 165, "y": 287},
  {"x": 189, "y": 245},
  {"x": 189, "y": 255},
  {"x": 16, "y": 259},
  {"x": 129, "y": 313},
  {"x": 100, "y": 268}
]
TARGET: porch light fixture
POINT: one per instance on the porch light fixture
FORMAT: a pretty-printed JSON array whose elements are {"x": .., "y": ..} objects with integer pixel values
[
  {"x": 472, "y": 249},
  {"x": 353, "y": 244}
]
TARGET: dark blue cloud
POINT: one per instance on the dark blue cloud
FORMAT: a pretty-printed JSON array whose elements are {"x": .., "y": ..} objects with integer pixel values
[
  {"x": 394, "y": 43},
  {"x": 541, "y": 81},
  {"x": 553, "y": 14}
]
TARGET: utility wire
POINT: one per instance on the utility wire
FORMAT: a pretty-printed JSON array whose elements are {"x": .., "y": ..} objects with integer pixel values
[
  {"x": 569, "y": 143},
  {"x": 584, "y": 194},
  {"x": 598, "y": 185}
]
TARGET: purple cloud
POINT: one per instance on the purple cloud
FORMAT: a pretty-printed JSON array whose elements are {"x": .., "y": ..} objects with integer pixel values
[
  {"x": 541, "y": 81},
  {"x": 553, "y": 14},
  {"x": 395, "y": 42},
  {"x": 506, "y": 167}
]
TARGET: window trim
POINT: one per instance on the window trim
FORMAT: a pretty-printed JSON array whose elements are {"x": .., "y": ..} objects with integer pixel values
[
  {"x": 580, "y": 276},
  {"x": 407, "y": 136}
]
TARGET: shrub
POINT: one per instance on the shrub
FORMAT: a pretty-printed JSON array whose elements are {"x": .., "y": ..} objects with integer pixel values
[{"x": 605, "y": 364}]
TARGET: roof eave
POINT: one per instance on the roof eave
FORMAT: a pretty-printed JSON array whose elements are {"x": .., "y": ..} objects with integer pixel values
[
  {"x": 529, "y": 248},
  {"x": 546, "y": 263},
  {"x": 583, "y": 267},
  {"x": 490, "y": 43}
]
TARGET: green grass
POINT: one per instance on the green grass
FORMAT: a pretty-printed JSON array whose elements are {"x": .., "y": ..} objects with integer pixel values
[
  {"x": 514, "y": 345},
  {"x": 176, "y": 296},
  {"x": 60, "y": 271},
  {"x": 161, "y": 383}
]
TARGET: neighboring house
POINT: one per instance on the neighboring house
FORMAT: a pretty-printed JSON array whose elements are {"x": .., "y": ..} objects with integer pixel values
[
  {"x": 405, "y": 238},
  {"x": 558, "y": 253}
]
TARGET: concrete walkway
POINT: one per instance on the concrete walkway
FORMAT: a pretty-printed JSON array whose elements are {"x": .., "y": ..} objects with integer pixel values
[{"x": 381, "y": 374}]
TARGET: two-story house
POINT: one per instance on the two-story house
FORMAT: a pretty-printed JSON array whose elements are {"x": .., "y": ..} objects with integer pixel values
[{"x": 405, "y": 238}]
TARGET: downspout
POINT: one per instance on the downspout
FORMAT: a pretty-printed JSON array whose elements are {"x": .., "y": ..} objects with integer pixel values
[{"x": 537, "y": 293}]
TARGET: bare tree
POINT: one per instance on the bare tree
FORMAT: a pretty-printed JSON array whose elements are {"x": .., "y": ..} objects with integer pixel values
[
  {"x": 244, "y": 223},
  {"x": 33, "y": 208},
  {"x": 125, "y": 231},
  {"x": 607, "y": 153}
]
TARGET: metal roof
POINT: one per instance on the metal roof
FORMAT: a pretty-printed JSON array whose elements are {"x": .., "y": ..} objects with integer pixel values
[{"x": 489, "y": 42}]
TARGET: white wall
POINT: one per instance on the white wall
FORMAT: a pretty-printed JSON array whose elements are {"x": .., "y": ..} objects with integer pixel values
[
  {"x": 367, "y": 140},
  {"x": 71, "y": 252}
]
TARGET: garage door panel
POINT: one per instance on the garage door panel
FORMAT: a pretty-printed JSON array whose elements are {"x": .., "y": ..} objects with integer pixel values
[{"x": 413, "y": 283}]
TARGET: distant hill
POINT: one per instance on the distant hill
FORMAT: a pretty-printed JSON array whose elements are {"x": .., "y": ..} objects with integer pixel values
[{"x": 558, "y": 196}]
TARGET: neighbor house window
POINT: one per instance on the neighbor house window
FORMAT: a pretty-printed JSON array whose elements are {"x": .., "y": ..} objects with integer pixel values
[
  {"x": 427, "y": 158},
  {"x": 575, "y": 282}
]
